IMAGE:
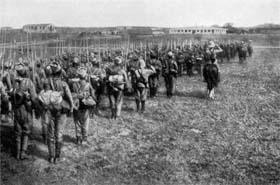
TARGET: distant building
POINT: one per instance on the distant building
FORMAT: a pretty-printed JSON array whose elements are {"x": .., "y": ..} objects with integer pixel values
[
  {"x": 39, "y": 28},
  {"x": 198, "y": 30},
  {"x": 6, "y": 28}
]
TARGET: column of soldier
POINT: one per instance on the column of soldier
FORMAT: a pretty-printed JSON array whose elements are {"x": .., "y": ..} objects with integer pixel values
[{"x": 72, "y": 85}]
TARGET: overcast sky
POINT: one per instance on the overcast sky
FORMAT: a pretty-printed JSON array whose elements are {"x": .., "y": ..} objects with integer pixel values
[{"x": 163, "y": 13}]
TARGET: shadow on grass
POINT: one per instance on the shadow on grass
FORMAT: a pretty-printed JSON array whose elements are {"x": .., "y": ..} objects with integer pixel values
[
  {"x": 195, "y": 94},
  {"x": 69, "y": 139}
]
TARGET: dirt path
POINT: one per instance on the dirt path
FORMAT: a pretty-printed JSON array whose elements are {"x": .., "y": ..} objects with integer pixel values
[{"x": 183, "y": 140}]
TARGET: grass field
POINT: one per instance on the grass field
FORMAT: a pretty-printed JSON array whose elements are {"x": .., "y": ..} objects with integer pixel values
[{"x": 188, "y": 139}]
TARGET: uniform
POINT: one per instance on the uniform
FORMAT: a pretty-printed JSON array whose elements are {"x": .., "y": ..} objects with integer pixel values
[
  {"x": 25, "y": 98},
  {"x": 58, "y": 116},
  {"x": 84, "y": 92},
  {"x": 117, "y": 78},
  {"x": 154, "y": 78},
  {"x": 141, "y": 90},
  {"x": 170, "y": 69}
]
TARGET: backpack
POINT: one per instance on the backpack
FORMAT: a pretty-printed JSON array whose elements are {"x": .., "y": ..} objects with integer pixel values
[
  {"x": 116, "y": 81},
  {"x": 87, "y": 101},
  {"x": 51, "y": 99}
]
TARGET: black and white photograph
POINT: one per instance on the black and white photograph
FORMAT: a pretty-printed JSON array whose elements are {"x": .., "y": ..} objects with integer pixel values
[{"x": 140, "y": 92}]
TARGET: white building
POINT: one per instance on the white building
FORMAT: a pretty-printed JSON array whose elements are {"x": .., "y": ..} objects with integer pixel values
[
  {"x": 39, "y": 28},
  {"x": 198, "y": 30}
]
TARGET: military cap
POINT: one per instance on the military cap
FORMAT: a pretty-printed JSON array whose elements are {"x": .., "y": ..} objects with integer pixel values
[
  {"x": 55, "y": 66},
  {"x": 118, "y": 60},
  {"x": 20, "y": 67},
  {"x": 82, "y": 72}
]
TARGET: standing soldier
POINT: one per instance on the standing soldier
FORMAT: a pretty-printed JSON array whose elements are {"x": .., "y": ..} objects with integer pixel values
[
  {"x": 72, "y": 74},
  {"x": 142, "y": 85},
  {"x": 85, "y": 95},
  {"x": 170, "y": 69},
  {"x": 4, "y": 99},
  {"x": 24, "y": 99},
  {"x": 154, "y": 78},
  {"x": 97, "y": 78},
  {"x": 58, "y": 114},
  {"x": 117, "y": 79},
  {"x": 250, "y": 48}
]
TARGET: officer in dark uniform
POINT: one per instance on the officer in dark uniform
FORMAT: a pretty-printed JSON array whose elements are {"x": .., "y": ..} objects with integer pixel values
[
  {"x": 154, "y": 78},
  {"x": 170, "y": 69}
]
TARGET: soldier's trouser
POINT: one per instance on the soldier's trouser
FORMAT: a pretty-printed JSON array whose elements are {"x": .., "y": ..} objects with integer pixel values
[
  {"x": 116, "y": 100},
  {"x": 180, "y": 68},
  {"x": 81, "y": 120},
  {"x": 55, "y": 133},
  {"x": 153, "y": 84},
  {"x": 22, "y": 124},
  {"x": 45, "y": 117},
  {"x": 170, "y": 83},
  {"x": 141, "y": 94}
]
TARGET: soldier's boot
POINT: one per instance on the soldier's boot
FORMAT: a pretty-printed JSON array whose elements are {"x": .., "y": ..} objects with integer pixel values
[
  {"x": 18, "y": 149},
  {"x": 44, "y": 137},
  {"x": 78, "y": 140},
  {"x": 23, "y": 154},
  {"x": 143, "y": 106},
  {"x": 113, "y": 115},
  {"x": 51, "y": 151},
  {"x": 58, "y": 154},
  {"x": 137, "y": 105}
]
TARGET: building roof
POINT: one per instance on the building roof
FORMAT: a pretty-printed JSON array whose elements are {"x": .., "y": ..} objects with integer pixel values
[
  {"x": 47, "y": 24},
  {"x": 196, "y": 27}
]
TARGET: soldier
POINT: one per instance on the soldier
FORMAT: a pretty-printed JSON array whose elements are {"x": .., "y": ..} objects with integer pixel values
[
  {"x": 4, "y": 99},
  {"x": 117, "y": 80},
  {"x": 24, "y": 99},
  {"x": 154, "y": 78},
  {"x": 45, "y": 113},
  {"x": 58, "y": 114},
  {"x": 85, "y": 95},
  {"x": 72, "y": 74},
  {"x": 97, "y": 80},
  {"x": 250, "y": 48},
  {"x": 142, "y": 85},
  {"x": 170, "y": 69}
]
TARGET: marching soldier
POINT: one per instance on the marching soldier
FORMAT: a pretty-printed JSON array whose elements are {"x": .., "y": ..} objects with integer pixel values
[
  {"x": 58, "y": 115},
  {"x": 117, "y": 80},
  {"x": 72, "y": 74},
  {"x": 170, "y": 69},
  {"x": 24, "y": 99},
  {"x": 86, "y": 98}
]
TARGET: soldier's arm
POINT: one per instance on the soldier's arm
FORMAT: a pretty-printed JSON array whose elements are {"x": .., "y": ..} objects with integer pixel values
[
  {"x": 68, "y": 95},
  {"x": 32, "y": 91},
  {"x": 8, "y": 80},
  {"x": 92, "y": 92}
]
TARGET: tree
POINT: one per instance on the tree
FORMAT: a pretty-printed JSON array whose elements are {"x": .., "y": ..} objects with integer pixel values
[
  {"x": 215, "y": 26},
  {"x": 228, "y": 25}
]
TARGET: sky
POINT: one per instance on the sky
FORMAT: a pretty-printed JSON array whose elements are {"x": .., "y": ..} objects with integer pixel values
[{"x": 160, "y": 13}]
